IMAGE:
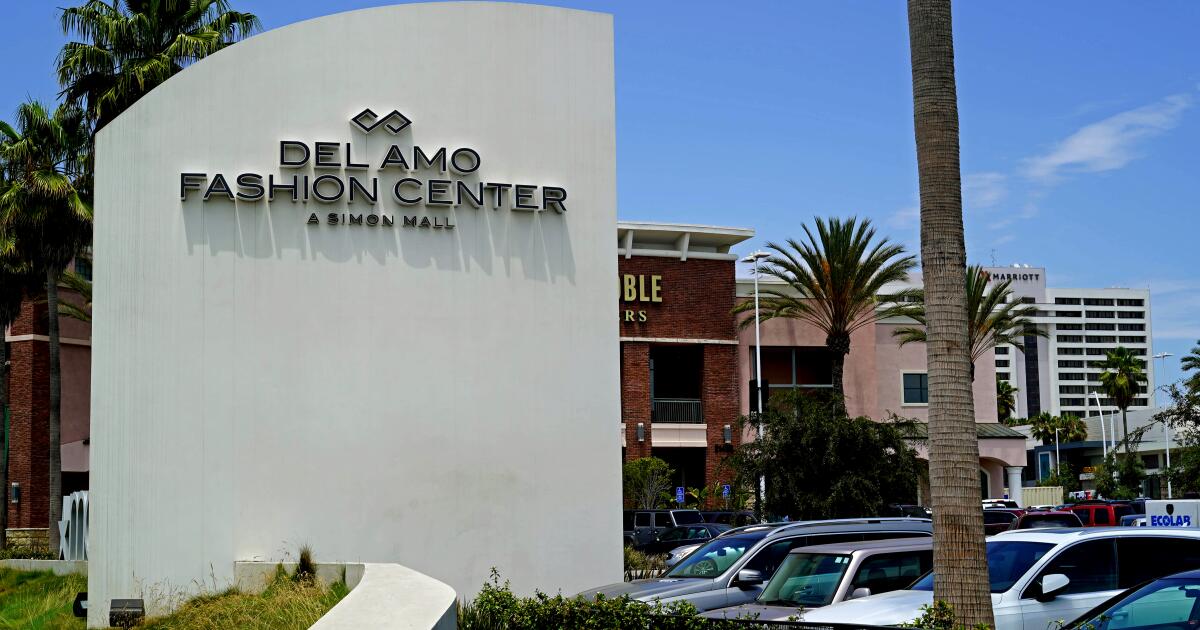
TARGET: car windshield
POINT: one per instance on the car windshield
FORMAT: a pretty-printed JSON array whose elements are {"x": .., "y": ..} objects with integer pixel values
[
  {"x": 1007, "y": 560},
  {"x": 1160, "y": 604},
  {"x": 805, "y": 579},
  {"x": 715, "y": 557},
  {"x": 683, "y": 517}
]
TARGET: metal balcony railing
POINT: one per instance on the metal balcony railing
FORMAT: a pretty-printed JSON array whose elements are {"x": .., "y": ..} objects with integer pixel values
[{"x": 678, "y": 410}]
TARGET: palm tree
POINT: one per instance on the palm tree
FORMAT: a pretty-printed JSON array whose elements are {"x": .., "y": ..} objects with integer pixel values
[
  {"x": 82, "y": 287},
  {"x": 833, "y": 282},
  {"x": 959, "y": 557},
  {"x": 995, "y": 318},
  {"x": 1121, "y": 379},
  {"x": 1070, "y": 428},
  {"x": 1191, "y": 363},
  {"x": 1006, "y": 400},
  {"x": 44, "y": 210},
  {"x": 129, "y": 47}
]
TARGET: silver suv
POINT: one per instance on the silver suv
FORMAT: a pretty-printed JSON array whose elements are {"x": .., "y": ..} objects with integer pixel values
[
  {"x": 731, "y": 569},
  {"x": 811, "y": 577}
]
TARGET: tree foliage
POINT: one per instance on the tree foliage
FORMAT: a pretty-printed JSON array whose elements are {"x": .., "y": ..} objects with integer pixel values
[
  {"x": 1183, "y": 416},
  {"x": 819, "y": 463},
  {"x": 1064, "y": 476},
  {"x": 1122, "y": 379},
  {"x": 125, "y": 48},
  {"x": 1006, "y": 399},
  {"x": 832, "y": 280},
  {"x": 995, "y": 318},
  {"x": 647, "y": 481},
  {"x": 1070, "y": 428},
  {"x": 1191, "y": 364}
]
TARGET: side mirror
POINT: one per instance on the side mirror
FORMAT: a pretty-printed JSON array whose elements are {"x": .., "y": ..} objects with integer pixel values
[
  {"x": 748, "y": 577},
  {"x": 861, "y": 591},
  {"x": 1052, "y": 585}
]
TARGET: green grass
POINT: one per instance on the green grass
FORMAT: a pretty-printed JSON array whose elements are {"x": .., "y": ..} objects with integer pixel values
[
  {"x": 42, "y": 601},
  {"x": 39, "y": 600}
]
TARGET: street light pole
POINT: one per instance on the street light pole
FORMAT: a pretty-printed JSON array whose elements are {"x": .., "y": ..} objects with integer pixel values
[
  {"x": 1057, "y": 454},
  {"x": 1162, "y": 356},
  {"x": 762, "y": 479}
]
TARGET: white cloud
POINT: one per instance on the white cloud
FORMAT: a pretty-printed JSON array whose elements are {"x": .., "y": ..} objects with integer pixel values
[
  {"x": 907, "y": 216},
  {"x": 983, "y": 190},
  {"x": 1108, "y": 144}
]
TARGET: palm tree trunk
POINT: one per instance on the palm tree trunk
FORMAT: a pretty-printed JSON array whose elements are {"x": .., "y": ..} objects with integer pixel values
[
  {"x": 839, "y": 347},
  {"x": 3, "y": 438},
  {"x": 1125, "y": 428},
  {"x": 959, "y": 558},
  {"x": 55, "y": 409}
]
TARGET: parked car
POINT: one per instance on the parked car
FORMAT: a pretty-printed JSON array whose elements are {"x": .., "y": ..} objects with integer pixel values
[
  {"x": 733, "y": 519},
  {"x": 681, "y": 535},
  {"x": 1039, "y": 576},
  {"x": 679, "y": 553},
  {"x": 904, "y": 509},
  {"x": 1168, "y": 602},
  {"x": 1035, "y": 520},
  {"x": 811, "y": 577},
  {"x": 732, "y": 568},
  {"x": 996, "y": 520},
  {"x": 1101, "y": 513},
  {"x": 643, "y": 526},
  {"x": 1000, "y": 503}
]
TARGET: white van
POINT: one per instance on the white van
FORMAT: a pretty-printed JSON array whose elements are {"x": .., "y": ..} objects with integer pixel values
[{"x": 1041, "y": 576}]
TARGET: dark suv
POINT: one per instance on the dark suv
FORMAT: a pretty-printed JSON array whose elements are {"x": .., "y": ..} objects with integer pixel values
[{"x": 645, "y": 526}]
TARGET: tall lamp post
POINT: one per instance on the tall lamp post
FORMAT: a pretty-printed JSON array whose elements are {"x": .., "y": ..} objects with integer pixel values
[
  {"x": 1162, "y": 356},
  {"x": 761, "y": 493}
]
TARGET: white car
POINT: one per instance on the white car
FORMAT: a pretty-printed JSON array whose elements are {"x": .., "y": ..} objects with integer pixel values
[{"x": 1042, "y": 576}]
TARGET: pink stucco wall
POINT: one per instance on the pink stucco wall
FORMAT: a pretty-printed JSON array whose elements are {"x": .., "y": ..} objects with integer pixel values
[{"x": 873, "y": 368}]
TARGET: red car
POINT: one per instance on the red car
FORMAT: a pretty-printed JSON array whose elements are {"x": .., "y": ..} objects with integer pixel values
[
  {"x": 996, "y": 520},
  {"x": 1101, "y": 513},
  {"x": 1032, "y": 520}
]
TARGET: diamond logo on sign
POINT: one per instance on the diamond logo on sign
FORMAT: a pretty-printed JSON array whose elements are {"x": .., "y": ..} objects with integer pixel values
[{"x": 369, "y": 121}]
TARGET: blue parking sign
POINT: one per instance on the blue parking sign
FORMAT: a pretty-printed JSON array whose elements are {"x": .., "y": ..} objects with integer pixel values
[
  {"x": 725, "y": 491},
  {"x": 679, "y": 495}
]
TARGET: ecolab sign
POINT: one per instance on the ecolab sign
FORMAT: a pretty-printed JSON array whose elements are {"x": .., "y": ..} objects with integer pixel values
[{"x": 1173, "y": 513}]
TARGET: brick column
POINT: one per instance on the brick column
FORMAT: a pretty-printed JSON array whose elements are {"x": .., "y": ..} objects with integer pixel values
[
  {"x": 720, "y": 395},
  {"x": 635, "y": 397},
  {"x": 29, "y": 406}
]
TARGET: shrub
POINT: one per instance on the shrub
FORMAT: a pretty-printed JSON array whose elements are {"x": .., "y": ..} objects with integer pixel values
[
  {"x": 497, "y": 608},
  {"x": 939, "y": 616},
  {"x": 638, "y": 561}
]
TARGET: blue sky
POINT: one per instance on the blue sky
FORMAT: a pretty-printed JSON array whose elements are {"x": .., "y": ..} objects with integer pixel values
[{"x": 1080, "y": 126}]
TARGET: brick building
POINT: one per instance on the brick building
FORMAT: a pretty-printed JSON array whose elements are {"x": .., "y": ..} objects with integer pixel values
[
  {"x": 679, "y": 347},
  {"x": 29, "y": 415}
]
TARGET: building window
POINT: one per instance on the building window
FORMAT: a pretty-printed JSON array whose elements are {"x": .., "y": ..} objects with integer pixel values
[
  {"x": 1101, "y": 327},
  {"x": 1065, "y": 300},
  {"x": 1028, "y": 300},
  {"x": 1131, "y": 327},
  {"x": 1150, "y": 461},
  {"x": 1097, "y": 302},
  {"x": 1070, "y": 351},
  {"x": 1070, "y": 364},
  {"x": 1102, "y": 339},
  {"x": 1070, "y": 338},
  {"x": 1070, "y": 376},
  {"x": 1130, "y": 303},
  {"x": 1069, "y": 326},
  {"x": 1002, "y": 363},
  {"x": 1071, "y": 389},
  {"x": 1001, "y": 349},
  {"x": 1131, "y": 315},
  {"x": 1131, "y": 339},
  {"x": 83, "y": 268},
  {"x": 1101, "y": 314},
  {"x": 1070, "y": 402},
  {"x": 788, "y": 367},
  {"x": 916, "y": 388},
  {"x": 1098, "y": 351},
  {"x": 1068, "y": 314},
  {"x": 1002, "y": 376}
]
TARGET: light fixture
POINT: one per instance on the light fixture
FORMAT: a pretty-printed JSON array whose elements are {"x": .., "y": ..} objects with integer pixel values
[
  {"x": 728, "y": 432},
  {"x": 126, "y": 613},
  {"x": 641, "y": 431},
  {"x": 14, "y": 495}
]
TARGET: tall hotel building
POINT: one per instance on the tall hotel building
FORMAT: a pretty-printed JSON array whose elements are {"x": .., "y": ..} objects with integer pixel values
[{"x": 1060, "y": 374}]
